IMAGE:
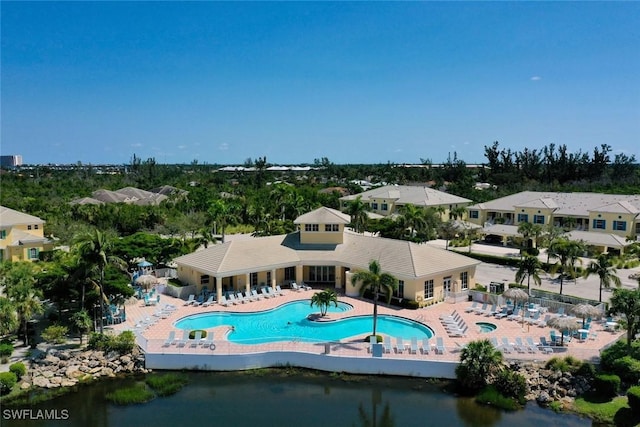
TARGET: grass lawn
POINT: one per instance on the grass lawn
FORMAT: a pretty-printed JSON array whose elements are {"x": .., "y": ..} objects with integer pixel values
[{"x": 615, "y": 411}]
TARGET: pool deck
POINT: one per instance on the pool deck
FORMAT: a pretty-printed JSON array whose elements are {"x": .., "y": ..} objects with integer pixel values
[{"x": 153, "y": 337}]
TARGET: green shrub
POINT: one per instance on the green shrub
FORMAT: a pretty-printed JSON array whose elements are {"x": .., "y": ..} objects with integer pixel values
[
  {"x": 6, "y": 349},
  {"x": 491, "y": 396},
  {"x": 18, "y": 368},
  {"x": 617, "y": 351},
  {"x": 7, "y": 381},
  {"x": 122, "y": 343},
  {"x": 633, "y": 398},
  {"x": 607, "y": 385},
  {"x": 480, "y": 288},
  {"x": 130, "y": 395},
  {"x": 192, "y": 334},
  {"x": 378, "y": 338},
  {"x": 567, "y": 364},
  {"x": 628, "y": 369},
  {"x": 175, "y": 282},
  {"x": 55, "y": 334},
  {"x": 165, "y": 385},
  {"x": 511, "y": 384},
  {"x": 587, "y": 370},
  {"x": 412, "y": 305}
]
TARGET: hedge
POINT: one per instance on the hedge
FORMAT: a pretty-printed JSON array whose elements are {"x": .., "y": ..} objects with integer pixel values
[
  {"x": 7, "y": 381},
  {"x": 607, "y": 385},
  {"x": 628, "y": 369},
  {"x": 633, "y": 398},
  {"x": 18, "y": 368}
]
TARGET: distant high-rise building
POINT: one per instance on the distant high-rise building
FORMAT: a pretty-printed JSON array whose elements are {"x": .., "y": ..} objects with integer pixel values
[{"x": 11, "y": 161}]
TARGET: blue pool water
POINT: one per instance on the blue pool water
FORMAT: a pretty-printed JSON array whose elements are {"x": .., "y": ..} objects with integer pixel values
[{"x": 289, "y": 322}]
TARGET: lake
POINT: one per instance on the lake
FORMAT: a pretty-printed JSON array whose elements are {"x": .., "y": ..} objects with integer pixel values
[{"x": 268, "y": 398}]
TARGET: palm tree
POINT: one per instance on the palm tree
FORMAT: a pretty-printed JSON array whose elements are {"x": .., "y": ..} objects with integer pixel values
[
  {"x": 220, "y": 214},
  {"x": 323, "y": 300},
  {"x": 529, "y": 268},
  {"x": 604, "y": 269},
  {"x": 8, "y": 316},
  {"x": 81, "y": 322},
  {"x": 375, "y": 281},
  {"x": 568, "y": 253},
  {"x": 18, "y": 280},
  {"x": 627, "y": 303},
  {"x": 458, "y": 212},
  {"x": 479, "y": 362},
  {"x": 357, "y": 209},
  {"x": 94, "y": 249},
  {"x": 414, "y": 219},
  {"x": 448, "y": 231}
]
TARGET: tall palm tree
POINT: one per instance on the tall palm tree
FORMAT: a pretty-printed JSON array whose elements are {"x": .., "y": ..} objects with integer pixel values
[
  {"x": 323, "y": 300},
  {"x": 458, "y": 212},
  {"x": 94, "y": 249},
  {"x": 626, "y": 302},
  {"x": 414, "y": 219},
  {"x": 8, "y": 316},
  {"x": 606, "y": 272},
  {"x": 530, "y": 268},
  {"x": 568, "y": 253},
  {"x": 221, "y": 213},
  {"x": 376, "y": 281},
  {"x": 479, "y": 362},
  {"x": 357, "y": 210}
]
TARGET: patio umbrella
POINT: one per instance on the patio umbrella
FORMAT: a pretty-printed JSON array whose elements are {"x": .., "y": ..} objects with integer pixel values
[
  {"x": 516, "y": 294},
  {"x": 586, "y": 310},
  {"x": 563, "y": 324},
  {"x": 144, "y": 263},
  {"x": 146, "y": 280}
]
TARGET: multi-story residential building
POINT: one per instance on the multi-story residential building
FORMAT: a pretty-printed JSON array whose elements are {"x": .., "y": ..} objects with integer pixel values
[
  {"x": 602, "y": 220},
  {"x": 21, "y": 236},
  {"x": 325, "y": 254},
  {"x": 390, "y": 199}
]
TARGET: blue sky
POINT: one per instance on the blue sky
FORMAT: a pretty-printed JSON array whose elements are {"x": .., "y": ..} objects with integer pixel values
[{"x": 363, "y": 82}]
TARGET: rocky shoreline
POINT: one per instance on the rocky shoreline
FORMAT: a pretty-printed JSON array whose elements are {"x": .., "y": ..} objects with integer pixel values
[
  {"x": 546, "y": 385},
  {"x": 66, "y": 368}
]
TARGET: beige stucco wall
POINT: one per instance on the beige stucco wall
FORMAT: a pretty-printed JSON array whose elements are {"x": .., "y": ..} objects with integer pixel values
[
  {"x": 21, "y": 252},
  {"x": 321, "y": 236},
  {"x": 610, "y": 218}
]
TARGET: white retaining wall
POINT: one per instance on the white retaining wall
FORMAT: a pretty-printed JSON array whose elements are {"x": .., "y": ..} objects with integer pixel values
[{"x": 322, "y": 362}]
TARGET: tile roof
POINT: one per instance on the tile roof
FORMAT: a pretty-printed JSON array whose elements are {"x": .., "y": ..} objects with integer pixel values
[
  {"x": 10, "y": 217},
  {"x": 569, "y": 204},
  {"x": 20, "y": 237},
  {"x": 406, "y": 260},
  {"x": 86, "y": 201},
  {"x": 323, "y": 215},
  {"x": 410, "y": 194}
]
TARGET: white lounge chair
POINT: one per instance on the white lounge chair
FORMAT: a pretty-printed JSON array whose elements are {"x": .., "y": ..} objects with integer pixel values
[
  {"x": 386, "y": 344},
  {"x": 472, "y": 307},
  {"x": 265, "y": 293},
  {"x": 440, "y": 348},
  {"x": 372, "y": 340},
  {"x": 305, "y": 286},
  {"x": 531, "y": 346},
  {"x": 233, "y": 299},
  {"x": 191, "y": 300},
  {"x": 196, "y": 339},
  {"x": 171, "y": 339},
  {"x": 399, "y": 345},
  {"x": 414, "y": 345},
  {"x": 249, "y": 296},
  {"x": 208, "y": 341},
  {"x": 183, "y": 341},
  {"x": 506, "y": 346},
  {"x": 426, "y": 346},
  {"x": 209, "y": 301},
  {"x": 241, "y": 297},
  {"x": 256, "y": 295},
  {"x": 270, "y": 292},
  {"x": 295, "y": 287},
  {"x": 519, "y": 345}
]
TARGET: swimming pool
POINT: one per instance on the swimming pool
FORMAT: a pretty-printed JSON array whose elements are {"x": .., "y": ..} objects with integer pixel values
[{"x": 289, "y": 322}]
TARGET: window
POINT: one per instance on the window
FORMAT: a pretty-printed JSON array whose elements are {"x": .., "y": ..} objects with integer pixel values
[
  {"x": 428, "y": 289},
  {"x": 3, "y": 234},
  {"x": 204, "y": 279},
  {"x": 28, "y": 227},
  {"x": 464, "y": 281},
  {"x": 35, "y": 227},
  {"x": 290, "y": 273},
  {"x": 253, "y": 280},
  {"x": 399, "y": 291},
  {"x": 620, "y": 225},
  {"x": 599, "y": 224},
  {"x": 33, "y": 253},
  {"x": 1, "y": 254},
  {"x": 374, "y": 206},
  {"x": 474, "y": 214},
  {"x": 523, "y": 218},
  {"x": 538, "y": 219},
  {"x": 322, "y": 273},
  {"x": 331, "y": 227},
  {"x": 311, "y": 227},
  {"x": 385, "y": 207},
  {"x": 269, "y": 278}
]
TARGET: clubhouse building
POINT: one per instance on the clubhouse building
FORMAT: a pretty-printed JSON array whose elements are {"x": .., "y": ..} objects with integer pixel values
[{"x": 323, "y": 253}]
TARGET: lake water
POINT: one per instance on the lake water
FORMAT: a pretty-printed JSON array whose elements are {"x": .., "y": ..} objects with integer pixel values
[{"x": 260, "y": 399}]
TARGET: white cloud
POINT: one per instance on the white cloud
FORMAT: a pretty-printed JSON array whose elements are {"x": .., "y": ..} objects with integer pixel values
[
  {"x": 535, "y": 78},
  {"x": 223, "y": 147},
  {"x": 136, "y": 145},
  {"x": 182, "y": 147}
]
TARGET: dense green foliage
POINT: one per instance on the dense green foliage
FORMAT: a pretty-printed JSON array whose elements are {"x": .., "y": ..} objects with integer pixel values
[
  {"x": 566, "y": 364},
  {"x": 616, "y": 351},
  {"x": 6, "y": 349},
  {"x": 18, "y": 368},
  {"x": 633, "y": 397},
  {"x": 480, "y": 362},
  {"x": 628, "y": 369},
  {"x": 324, "y": 299},
  {"x": 490, "y": 395},
  {"x": 55, "y": 334},
  {"x": 7, "y": 381},
  {"x": 122, "y": 343},
  {"x": 511, "y": 384},
  {"x": 607, "y": 385}
]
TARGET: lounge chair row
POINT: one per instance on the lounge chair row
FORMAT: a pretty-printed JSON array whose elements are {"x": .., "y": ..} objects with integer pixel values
[
  {"x": 237, "y": 297},
  {"x": 192, "y": 343},
  {"x": 454, "y": 324},
  {"x": 301, "y": 287},
  {"x": 522, "y": 347},
  {"x": 412, "y": 346}
]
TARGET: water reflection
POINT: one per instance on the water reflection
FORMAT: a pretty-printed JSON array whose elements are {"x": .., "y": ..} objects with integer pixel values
[{"x": 250, "y": 400}]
